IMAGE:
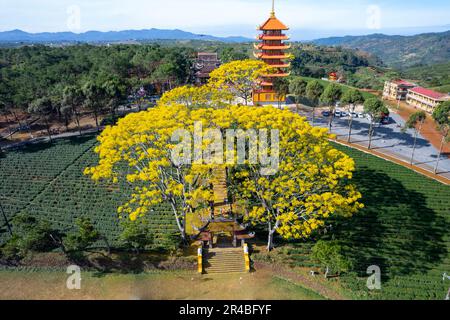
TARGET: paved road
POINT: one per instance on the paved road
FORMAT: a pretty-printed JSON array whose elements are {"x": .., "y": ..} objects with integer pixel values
[{"x": 389, "y": 139}]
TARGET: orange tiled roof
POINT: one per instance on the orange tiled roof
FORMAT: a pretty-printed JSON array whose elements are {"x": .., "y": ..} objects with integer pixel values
[{"x": 273, "y": 24}]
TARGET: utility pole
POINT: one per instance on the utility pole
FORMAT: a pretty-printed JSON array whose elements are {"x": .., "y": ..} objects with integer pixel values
[{"x": 6, "y": 219}]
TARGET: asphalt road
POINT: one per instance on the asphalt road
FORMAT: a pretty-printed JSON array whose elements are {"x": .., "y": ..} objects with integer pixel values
[{"x": 389, "y": 139}]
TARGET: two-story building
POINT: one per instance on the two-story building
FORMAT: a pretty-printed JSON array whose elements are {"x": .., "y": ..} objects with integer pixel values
[
  {"x": 425, "y": 99},
  {"x": 397, "y": 89}
]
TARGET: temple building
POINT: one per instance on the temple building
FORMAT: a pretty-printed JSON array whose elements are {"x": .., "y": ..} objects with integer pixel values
[
  {"x": 205, "y": 63},
  {"x": 272, "y": 50}
]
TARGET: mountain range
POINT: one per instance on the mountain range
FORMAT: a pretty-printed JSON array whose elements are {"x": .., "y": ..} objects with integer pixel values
[
  {"x": 394, "y": 50},
  {"x": 398, "y": 51},
  {"x": 15, "y": 36}
]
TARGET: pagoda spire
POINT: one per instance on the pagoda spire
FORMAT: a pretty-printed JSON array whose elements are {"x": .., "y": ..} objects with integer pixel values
[{"x": 272, "y": 14}]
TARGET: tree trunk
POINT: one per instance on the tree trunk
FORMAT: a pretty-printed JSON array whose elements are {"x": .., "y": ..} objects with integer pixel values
[
  {"x": 9, "y": 127},
  {"x": 48, "y": 130},
  {"x": 414, "y": 146},
  {"x": 350, "y": 129},
  {"x": 330, "y": 122},
  {"x": 370, "y": 135},
  {"x": 313, "y": 114},
  {"x": 107, "y": 245},
  {"x": 77, "y": 118},
  {"x": 181, "y": 227},
  {"x": 327, "y": 271},
  {"x": 96, "y": 120},
  {"x": 439, "y": 155},
  {"x": 6, "y": 220},
  {"x": 17, "y": 118},
  {"x": 270, "y": 237}
]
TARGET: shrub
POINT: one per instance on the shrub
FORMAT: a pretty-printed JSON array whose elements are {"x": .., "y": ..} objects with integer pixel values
[{"x": 329, "y": 254}]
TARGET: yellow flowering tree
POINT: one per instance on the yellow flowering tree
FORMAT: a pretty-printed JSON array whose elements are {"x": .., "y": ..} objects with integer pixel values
[
  {"x": 310, "y": 185},
  {"x": 298, "y": 181},
  {"x": 239, "y": 77},
  {"x": 196, "y": 97},
  {"x": 139, "y": 149}
]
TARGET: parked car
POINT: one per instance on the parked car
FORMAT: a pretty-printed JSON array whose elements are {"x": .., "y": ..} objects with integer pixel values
[
  {"x": 344, "y": 114},
  {"x": 353, "y": 115},
  {"x": 325, "y": 113},
  {"x": 386, "y": 120},
  {"x": 337, "y": 113},
  {"x": 360, "y": 115}
]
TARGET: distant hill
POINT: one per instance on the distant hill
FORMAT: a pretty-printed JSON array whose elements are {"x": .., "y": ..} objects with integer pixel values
[
  {"x": 399, "y": 51},
  {"x": 15, "y": 36},
  {"x": 437, "y": 75}
]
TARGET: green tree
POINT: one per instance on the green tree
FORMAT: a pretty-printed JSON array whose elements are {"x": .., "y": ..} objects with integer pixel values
[
  {"x": 375, "y": 109},
  {"x": 281, "y": 87},
  {"x": 78, "y": 241},
  {"x": 29, "y": 235},
  {"x": 114, "y": 94},
  {"x": 442, "y": 117},
  {"x": 314, "y": 91},
  {"x": 43, "y": 107},
  {"x": 350, "y": 99},
  {"x": 136, "y": 235},
  {"x": 331, "y": 96},
  {"x": 329, "y": 255},
  {"x": 297, "y": 87},
  {"x": 415, "y": 121},
  {"x": 94, "y": 98},
  {"x": 4, "y": 111},
  {"x": 73, "y": 99}
]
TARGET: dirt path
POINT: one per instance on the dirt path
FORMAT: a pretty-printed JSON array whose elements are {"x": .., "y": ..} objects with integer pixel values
[{"x": 262, "y": 285}]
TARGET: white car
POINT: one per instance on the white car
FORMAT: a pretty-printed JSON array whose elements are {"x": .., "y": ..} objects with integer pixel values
[
  {"x": 360, "y": 115},
  {"x": 344, "y": 114},
  {"x": 337, "y": 113},
  {"x": 353, "y": 115}
]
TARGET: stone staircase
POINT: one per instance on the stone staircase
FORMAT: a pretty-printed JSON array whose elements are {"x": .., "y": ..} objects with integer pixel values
[
  {"x": 224, "y": 260},
  {"x": 220, "y": 191}
]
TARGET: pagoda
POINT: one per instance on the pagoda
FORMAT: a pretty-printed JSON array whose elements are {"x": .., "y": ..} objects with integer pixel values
[{"x": 272, "y": 50}]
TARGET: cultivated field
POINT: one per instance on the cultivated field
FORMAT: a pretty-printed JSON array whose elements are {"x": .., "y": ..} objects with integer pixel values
[{"x": 403, "y": 229}]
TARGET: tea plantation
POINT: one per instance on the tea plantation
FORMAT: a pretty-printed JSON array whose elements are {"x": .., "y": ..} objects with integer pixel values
[
  {"x": 404, "y": 227},
  {"x": 47, "y": 181}
]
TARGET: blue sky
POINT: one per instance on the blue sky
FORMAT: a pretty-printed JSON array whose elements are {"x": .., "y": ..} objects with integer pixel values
[{"x": 227, "y": 17}]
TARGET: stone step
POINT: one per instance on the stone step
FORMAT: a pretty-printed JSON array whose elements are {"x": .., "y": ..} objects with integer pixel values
[{"x": 224, "y": 260}]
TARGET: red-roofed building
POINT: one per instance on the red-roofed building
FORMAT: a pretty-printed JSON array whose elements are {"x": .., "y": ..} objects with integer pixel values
[
  {"x": 397, "y": 89},
  {"x": 206, "y": 63},
  {"x": 425, "y": 99}
]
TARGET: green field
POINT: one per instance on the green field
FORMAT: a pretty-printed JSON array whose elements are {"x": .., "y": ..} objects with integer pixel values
[
  {"x": 443, "y": 89},
  {"x": 403, "y": 228},
  {"x": 47, "y": 181},
  {"x": 324, "y": 83}
]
